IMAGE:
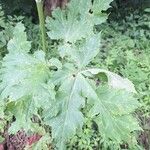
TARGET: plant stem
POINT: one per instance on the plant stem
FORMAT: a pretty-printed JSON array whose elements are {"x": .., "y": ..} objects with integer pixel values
[{"x": 39, "y": 4}]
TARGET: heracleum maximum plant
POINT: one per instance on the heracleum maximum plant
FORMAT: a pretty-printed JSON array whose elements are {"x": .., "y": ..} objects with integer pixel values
[{"x": 56, "y": 90}]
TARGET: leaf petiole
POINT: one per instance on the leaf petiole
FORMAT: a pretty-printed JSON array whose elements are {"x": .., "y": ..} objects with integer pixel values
[{"x": 39, "y": 4}]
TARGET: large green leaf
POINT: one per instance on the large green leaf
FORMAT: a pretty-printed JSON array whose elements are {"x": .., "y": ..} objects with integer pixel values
[
  {"x": 24, "y": 81},
  {"x": 71, "y": 24},
  {"x": 24, "y": 74},
  {"x": 70, "y": 118},
  {"x": 74, "y": 88},
  {"x": 114, "y": 108},
  {"x": 77, "y": 21}
]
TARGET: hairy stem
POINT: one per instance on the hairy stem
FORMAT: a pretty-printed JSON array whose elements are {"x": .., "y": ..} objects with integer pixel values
[{"x": 39, "y": 4}]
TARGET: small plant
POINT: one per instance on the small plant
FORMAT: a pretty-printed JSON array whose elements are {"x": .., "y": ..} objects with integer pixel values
[{"x": 41, "y": 93}]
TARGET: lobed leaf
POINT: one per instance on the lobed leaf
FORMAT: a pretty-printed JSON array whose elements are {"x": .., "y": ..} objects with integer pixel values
[
  {"x": 107, "y": 103},
  {"x": 23, "y": 74},
  {"x": 83, "y": 54},
  {"x": 113, "y": 109},
  {"x": 71, "y": 24},
  {"x": 70, "y": 117},
  {"x": 19, "y": 42},
  {"x": 24, "y": 81}
]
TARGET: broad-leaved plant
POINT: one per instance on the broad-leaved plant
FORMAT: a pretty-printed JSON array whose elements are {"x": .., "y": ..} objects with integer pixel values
[{"x": 56, "y": 90}]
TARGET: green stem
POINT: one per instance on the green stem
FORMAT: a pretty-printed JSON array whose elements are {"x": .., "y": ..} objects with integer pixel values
[{"x": 39, "y": 4}]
